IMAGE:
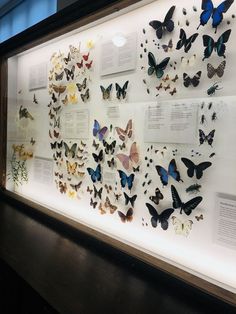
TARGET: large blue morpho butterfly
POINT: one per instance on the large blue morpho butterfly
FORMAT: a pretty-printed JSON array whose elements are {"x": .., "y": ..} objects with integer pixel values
[
  {"x": 162, "y": 218},
  {"x": 157, "y": 68},
  {"x": 95, "y": 174},
  {"x": 197, "y": 169},
  {"x": 98, "y": 131},
  {"x": 186, "y": 207},
  {"x": 166, "y": 25},
  {"x": 218, "y": 46},
  {"x": 172, "y": 171},
  {"x": 126, "y": 180},
  {"x": 215, "y": 13},
  {"x": 184, "y": 41}
]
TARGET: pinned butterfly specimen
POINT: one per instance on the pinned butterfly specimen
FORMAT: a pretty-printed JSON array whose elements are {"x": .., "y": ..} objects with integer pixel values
[
  {"x": 200, "y": 217},
  {"x": 81, "y": 174},
  {"x": 70, "y": 152},
  {"x": 197, "y": 169},
  {"x": 60, "y": 89},
  {"x": 85, "y": 96},
  {"x": 168, "y": 46},
  {"x": 93, "y": 204},
  {"x": 186, "y": 207},
  {"x": 67, "y": 59},
  {"x": 157, "y": 197},
  {"x": 56, "y": 109},
  {"x": 54, "y": 98},
  {"x": 108, "y": 188},
  {"x": 127, "y": 133},
  {"x": 172, "y": 171},
  {"x": 80, "y": 64},
  {"x": 106, "y": 92},
  {"x": 121, "y": 92},
  {"x": 56, "y": 122},
  {"x": 98, "y": 131},
  {"x": 95, "y": 174},
  {"x": 32, "y": 141},
  {"x": 109, "y": 148},
  {"x": 194, "y": 188},
  {"x": 184, "y": 41},
  {"x": 173, "y": 91},
  {"x": 137, "y": 169},
  {"x": 166, "y": 78},
  {"x": 56, "y": 134},
  {"x": 59, "y": 77},
  {"x": 111, "y": 163},
  {"x": 90, "y": 191},
  {"x": 218, "y": 46},
  {"x": 166, "y": 25},
  {"x": 98, "y": 158},
  {"x": 76, "y": 187},
  {"x": 96, "y": 145},
  {"x": 109, "y": 205},
  {"x": 133, "y": 156},
  {"x": 35, "y": 101},
  {"x": 123, "y": 146},
  {"x": 82, "y": 86},
  {"x": 162, "y": 218},
  {"x": 59, "y": 144},
  {"x": 182, "y": 228},
  {"x": 62, "y": 187},
  {"x": 101, "y": 209},
  {"x": 158, "y": 69},
  {"x": 117, "y": 196},
  {"x": 97, "y": 193},
  {"x": 71, "y": 167},
  {"x": 175, "y": 78},
  {"x": 159, "y": 86},
  {"x": 130, "y": 200},
  {"x": 24, "y": 113},
  {"x": 194, "y": 81},
  {"x": 89, "y": 64},
  {"x": 85, "y": 57},
  {"x": 73, "y": 99},
  {"x": 219, "y": 71},
  {"x": 206, "y": 138},
  {"x": 126, "y": 217},
  {"x": 216, "y": 13},
  {"x": 126, "y": 180},
  {"x": 188, "y": 61}
]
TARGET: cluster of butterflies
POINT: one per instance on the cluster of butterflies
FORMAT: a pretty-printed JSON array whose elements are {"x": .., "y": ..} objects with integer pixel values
[
  {"x": 121, "y": 92},
  {"x": 185, "y": 43}
]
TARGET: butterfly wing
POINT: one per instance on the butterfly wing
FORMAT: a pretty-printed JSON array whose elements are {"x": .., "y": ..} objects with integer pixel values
[
  {"x": 182, "y": 39},
  {"x": 196, "y": 79},
  {"x": 168, "y": 22},
  {"x": 96, "y": 127},
  {"x": 188, "y": 43},
  {"x": 217, "y": 15},
  {"x": 163, "y": 175},
  {"x": 130, "y": 180},
  {"x": 164, "y": 217},
  {"x": 134, "y": 156},
  {"x": 191, "y": 205},
  {"x": 123, "y": 89},
  {"x": 220, "y": 44},
  {"x": 161, "y": 67},
  {"x": 158, "y": 26},
  {"x": 201, "y": 167},
  {"x": 209, "y": 43},
  {"x": 210, "y": 137},
  {"x": 211, "y": 71},
  {"x": 221, "y": 68},
  {"x": 202, "y": 137},
  {"x": 129, "y": 214},
  {"x": 152, "y": 63},
  {"x": 186, "y": 80},
  {"x": 172, "y": 170},
  {"x": 102, "y": 132},
  {"x": 190, "y": 165},
  {"x": 125, "y": 160},
  {"x": 154, "y": 214},
  {"x": 177, "y": 203},
  {"x": 207, "y": 7}
]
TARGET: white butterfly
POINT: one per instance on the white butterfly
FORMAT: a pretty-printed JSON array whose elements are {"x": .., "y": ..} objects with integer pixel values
[
  {"x": 182, "y": 227},
  {"x": 188, "y": 61}
]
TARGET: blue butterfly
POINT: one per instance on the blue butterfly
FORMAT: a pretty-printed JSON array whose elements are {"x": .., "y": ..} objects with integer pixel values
[
  {"x": 215, "y": 13},
  {"x": 95, "y": 174},
  {"x": 172, "y": 171},
  {"x": 98, "y": 131},
  {"x": 124, "y": 179}
]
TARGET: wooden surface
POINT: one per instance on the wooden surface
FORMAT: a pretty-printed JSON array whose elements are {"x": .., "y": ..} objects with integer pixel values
[{"x": 77, "y": 274}]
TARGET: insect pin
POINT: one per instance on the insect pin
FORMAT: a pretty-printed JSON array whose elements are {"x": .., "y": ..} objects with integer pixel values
[{"x": 212, "y": 90}]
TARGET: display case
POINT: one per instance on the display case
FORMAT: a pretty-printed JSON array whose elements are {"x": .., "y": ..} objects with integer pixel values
[{"x": 124, "y": 127}]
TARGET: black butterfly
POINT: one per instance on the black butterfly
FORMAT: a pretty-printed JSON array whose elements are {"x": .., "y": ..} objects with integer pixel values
[
  {"x": 162, "y": 218},
  {"x": 157, "y": 68},
  {"x": 82, "y": 86},
  {"x": 130, "y": 199},
  {"x": 96, "y": 145},
  {"x": 186, "y": 207},
  {"x": 54, "y": 98},
  {"x": 192, "y": 81},
  {"x": 35, "y": 100},
  {"x": 53, "y": 145},
  {"x": 76, "y": 187},
  {"x": 166, "y": 25},
  {"x": 70, "y": 73},
  {"x": 121, "y": 92},
  {"x": 136, "y": 169},
  {"x": 58, "y": 154},
  {"x": 219, "y": 71},
  {"x": 99, "y": 157},
  {"x": 109, "y": 148},
  {"x": 85, "y": 96},
  {"x": 218, "y": 46},
  {"x": 59, "y": 144},
  {"x": 97, "y": 192},
  {"x": 67, "y": 59},
  {"x": 106, "y": 92},
  {"x": 206, "y": 138},
  {"x": 59, "y": 77},
  {"x": 111, "y": 163},
  {"x": 198, "y": 169},
  {"x": 157, "y": 197},
  {"x": 92, "y": 203},
  {"x": 184, "y": 41}
]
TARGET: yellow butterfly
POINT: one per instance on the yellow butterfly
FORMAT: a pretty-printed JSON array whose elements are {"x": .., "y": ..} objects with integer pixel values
[
  {"x": 71, "y": 168},
  {"x": 65, "y": 101},
  {"x": 73, "y": 99},
  {"x": 71, "y": 194},
  {"x": 81, "y": 174}
]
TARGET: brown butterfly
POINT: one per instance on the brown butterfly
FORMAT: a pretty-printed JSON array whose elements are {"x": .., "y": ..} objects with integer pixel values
[
  {"x": 117, "y": 196},
  {"x": 199, "y": 217},
  {"x": 166, "y": 78},
  {"x": 173, "y": 92},
  {"x": 101, "y": 209},
  {"x": 175, "y": 78},
  {"x": 123, "y": 134},
  {"x": 128, "y": 216},
  {"x": 108, "y": 204},
  {"x": 167, "y": 87},
  {"x": 89, "y": 190},
  {"x": 62, "y": 187},
  {"x": 108, "y": 188},
  {"x": 159, "y": 87},
  {"x": 59, "y": 88}
]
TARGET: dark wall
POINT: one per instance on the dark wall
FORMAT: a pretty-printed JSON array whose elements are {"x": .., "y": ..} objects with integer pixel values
[{"x": 61, "y": 4}]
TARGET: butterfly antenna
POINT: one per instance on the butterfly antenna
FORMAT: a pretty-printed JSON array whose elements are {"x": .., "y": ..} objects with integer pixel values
[{"x": 198, "y": 26}]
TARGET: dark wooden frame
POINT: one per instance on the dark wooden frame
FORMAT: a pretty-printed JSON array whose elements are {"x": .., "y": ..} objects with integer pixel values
[{"x": 73, "y": 17}]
